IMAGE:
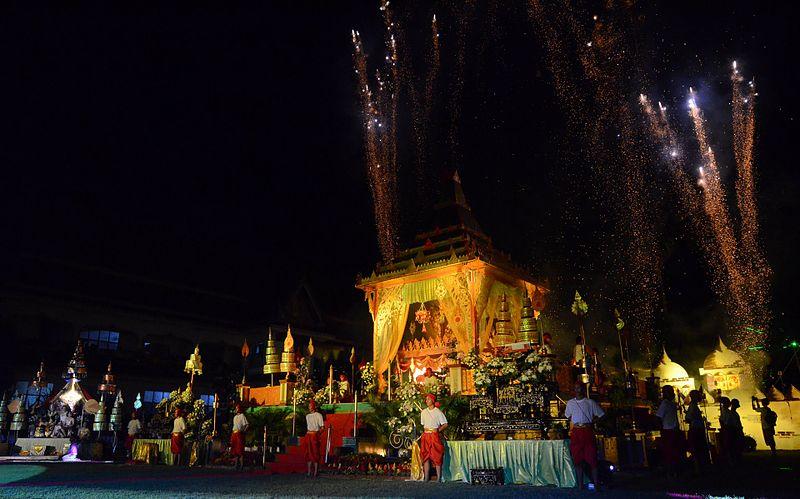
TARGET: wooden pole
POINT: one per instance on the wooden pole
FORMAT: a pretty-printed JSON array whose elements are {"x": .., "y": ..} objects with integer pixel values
[
  {"x": 294, "y": 413},
  {"x": 390, "y": 380},
  {"x": 216, "y": 406},
  {"x": 355, "y": 414},
  {"x": 264, "y": 450}
]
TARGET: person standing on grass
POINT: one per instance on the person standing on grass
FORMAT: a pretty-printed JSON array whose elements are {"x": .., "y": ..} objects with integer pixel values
[{"x": 582, "y": 413}]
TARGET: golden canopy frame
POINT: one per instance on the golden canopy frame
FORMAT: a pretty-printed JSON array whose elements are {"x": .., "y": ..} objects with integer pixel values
[{"x": 468, "y": 290}]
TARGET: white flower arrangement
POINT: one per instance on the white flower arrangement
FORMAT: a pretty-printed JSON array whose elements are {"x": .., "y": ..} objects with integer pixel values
[
  {"x": 368, "y": 378},
  {"x": 509, "y": 369}
]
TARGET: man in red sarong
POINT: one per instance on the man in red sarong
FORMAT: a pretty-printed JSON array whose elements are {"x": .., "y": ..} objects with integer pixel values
[
  {"x": 240, "y": 425},
  {"x": 431, "y": 447},
  {"x": 314, "y": 426},
  {"x": 178, "y": 428},
  {"x": 582, "y": 413},
  {"x": 134, "y": 428}
]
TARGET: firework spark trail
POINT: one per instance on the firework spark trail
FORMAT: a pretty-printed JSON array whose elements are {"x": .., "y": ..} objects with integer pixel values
[
  {"x": 743, "y": 140},
  {"x": 602, "y": 58},
  {"x": 715, "y": 205},
  {"x": 434, "y": 62},
  {"x": 379, "y": 141},
  {"x": 754, "y": 263},
  {"x": 457, "y": 80},
  {"x": 693, "y": 209},
  {"x": 421, "y": 112}
]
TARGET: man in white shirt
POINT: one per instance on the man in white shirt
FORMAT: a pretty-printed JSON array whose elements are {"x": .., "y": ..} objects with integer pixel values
[
  {"x": 240, "y": 425},
  {"x": 582, "y": 413},
  {"x": 672, "y": 442},
  {"x": 313, "y": 439},
  {"x": 431, "y": 447},
  {"x": 176, "y": 444},
  {"x": 134, "y": 428}
]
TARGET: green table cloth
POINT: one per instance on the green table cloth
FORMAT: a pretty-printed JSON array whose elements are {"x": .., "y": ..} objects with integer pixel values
[
  {"x": 164, "y": 448},
  {"x": 534, "y": 462}
]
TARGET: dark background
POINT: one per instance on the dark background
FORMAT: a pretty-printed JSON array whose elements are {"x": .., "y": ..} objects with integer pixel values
[{"x": 219, "y": 146}]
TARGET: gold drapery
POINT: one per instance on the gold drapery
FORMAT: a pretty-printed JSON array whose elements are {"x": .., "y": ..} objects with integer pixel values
[
  {"x": 458, "y": 294},
  {"x": 390, "y": 321},
  {"x": 417, "y": 472},
  {"x": 457, "y": 307}
]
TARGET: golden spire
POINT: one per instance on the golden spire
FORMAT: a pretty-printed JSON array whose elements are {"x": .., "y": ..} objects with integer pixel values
[
  {"x": 288, "y": 343},
  {"x": 310, "y": 347},
  {"x": 288, "y": 363}
]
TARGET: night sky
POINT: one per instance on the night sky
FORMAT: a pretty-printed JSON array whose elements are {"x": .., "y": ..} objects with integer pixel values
[{"x": 219, "y": 146}]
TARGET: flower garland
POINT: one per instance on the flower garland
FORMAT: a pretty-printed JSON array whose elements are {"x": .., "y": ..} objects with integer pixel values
[{"x": 368, "y": 378}]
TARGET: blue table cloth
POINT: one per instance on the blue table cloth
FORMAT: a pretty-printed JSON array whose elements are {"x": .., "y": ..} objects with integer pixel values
[{"x": 534, "y": 462}]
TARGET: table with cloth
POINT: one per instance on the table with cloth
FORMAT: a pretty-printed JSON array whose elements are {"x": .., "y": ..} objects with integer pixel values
[
  {"x": 533, "y": 462},
  {"x": 144, "y": 448},
  {"x": 61, "y": 445}
]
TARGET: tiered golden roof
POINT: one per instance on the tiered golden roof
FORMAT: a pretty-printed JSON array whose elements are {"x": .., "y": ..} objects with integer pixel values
[
  {"x": 504, "y": 330},
  {"x": 527, "y": 324},
  {"x": 109, "y": 384},
  {"x": 272, "y": 364}
]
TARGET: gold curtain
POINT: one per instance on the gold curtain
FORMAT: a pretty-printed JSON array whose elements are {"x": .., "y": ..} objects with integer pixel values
[
  {"x": 484, "y": 294},
  {"x": 390, "y": 321},
  {"x": 456, "y": 303}
]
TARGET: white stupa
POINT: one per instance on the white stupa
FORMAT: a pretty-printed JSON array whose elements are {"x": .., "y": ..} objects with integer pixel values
[
  {"x": 725, "y": 369},
  {"x": 673, "y": 374}
]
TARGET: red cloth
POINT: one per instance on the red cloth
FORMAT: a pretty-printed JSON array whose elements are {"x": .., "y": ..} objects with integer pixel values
[
  {"x": 672, "y": 447},
  {"x": 177, "y": 443},
  {"x": 237, "y": 443},
  {"x": 313, "y": 447},
  {"x": 583, "y": 447},
  {"x": 129, "y": 441},
  {"x": 431, "y": 448}
]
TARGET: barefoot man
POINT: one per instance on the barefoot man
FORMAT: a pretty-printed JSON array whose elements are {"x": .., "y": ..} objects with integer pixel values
[
  {"x": 314, "y": 425},
  {"x": 582, "y": 413},
  {"x": 431, "y": 447}
]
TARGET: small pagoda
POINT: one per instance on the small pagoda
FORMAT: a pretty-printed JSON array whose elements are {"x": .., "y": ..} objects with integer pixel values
[{"x": 443, "y": 294}]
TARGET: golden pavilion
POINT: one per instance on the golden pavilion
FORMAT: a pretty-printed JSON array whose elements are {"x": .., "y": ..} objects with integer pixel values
[{"x": 445, "y": 294}]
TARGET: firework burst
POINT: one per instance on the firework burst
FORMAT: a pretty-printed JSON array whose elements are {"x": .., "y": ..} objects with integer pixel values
[
  {"x": 739, "y": 270},
  {"x": 379, "y": 112}
]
